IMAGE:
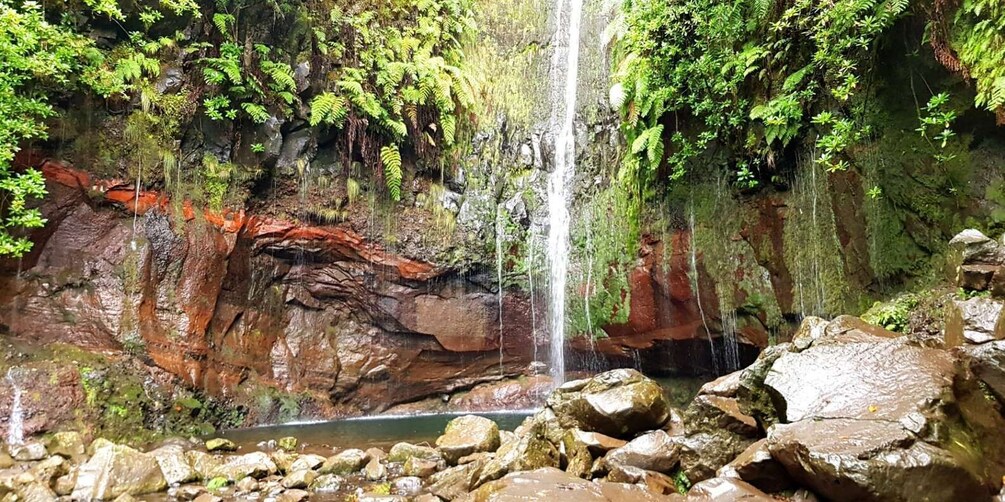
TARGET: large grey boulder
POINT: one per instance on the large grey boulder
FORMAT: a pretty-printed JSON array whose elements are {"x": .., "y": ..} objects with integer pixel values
[
  {"x": 116, "y": 470},
  {"x": 867, "y": 417},
  {"x": 619, "y": 403},
  {"x": 466, "y": 435},
  {"x": 871, "y": 460},
  {"x": 653, "y": 451}
]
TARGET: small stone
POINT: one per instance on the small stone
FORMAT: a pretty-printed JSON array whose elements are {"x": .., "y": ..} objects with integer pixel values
[
  {"x": 420, "y": 467},
  {"x": 174, "y": 465},
  {"x": 308, "y": 462},
  {"x": 220, "y": 444},
  {"x": 256, "y": 464},
  {"x": 49, "y": 468},
  {"x": 293, "y": 496},
  {"x": 64, "y": 484},
  {"x": 403, "y": 451},
  {"x": 299, "y": 479},
  {"x": 327, "y": 483},
  {"x": 374, "y": 470},
  {"x": 247, "y": 484},
  {"x": 29, "y": 452},
  {"x": 68, "y": 444},
  {"x": 6, "y": 462},
  {"x": 288, "y": 443},
  {"x": 375, "y": 452},
  {"x": 188, "y": 492},
  {"x": 408, "y": 486},
  {"x": 208, "y": 497},
  {"x": 346, "y": 462}
]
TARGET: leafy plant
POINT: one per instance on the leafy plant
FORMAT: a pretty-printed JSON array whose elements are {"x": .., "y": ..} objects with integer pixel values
[{"x": 390, "y": 157}]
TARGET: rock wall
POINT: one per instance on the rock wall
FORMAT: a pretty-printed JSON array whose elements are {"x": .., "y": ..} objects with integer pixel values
[{"x": 219, "y": 299}]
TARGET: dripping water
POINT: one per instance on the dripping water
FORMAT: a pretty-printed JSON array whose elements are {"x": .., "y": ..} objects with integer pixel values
[
  {"x": 15, "y": 423},
  {"x": 499, "y": 279},
  {"x": 531, "y": 241},
  {"x": 697, "y": 291},
  {"x": 560, "y": 179}
]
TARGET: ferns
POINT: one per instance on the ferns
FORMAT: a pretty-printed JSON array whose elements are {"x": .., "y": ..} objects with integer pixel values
[
  {"x": 328, "y": 108},
  {"x": 391, "y": 158},
  {"x": 978, "y": 37}
]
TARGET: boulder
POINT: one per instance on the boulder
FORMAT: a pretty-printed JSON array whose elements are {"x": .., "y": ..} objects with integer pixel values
[
  {"x": 455, "y": 482},
  {"x": 530, "y": 451},
  {"x": 256, "y": 464},
  {"x": 726, "y": 490},
  {"x": 653, "y": 451},
  {"x": 971, "y": 246},
  {"x": 577, "y": 457},
  {"x": 115, "y": 470},
  {"x": 757, "y": 467},
  {"x": 976, "y": 277},
  {"x": 299, "y": 479},
  {"x": 220, "y": 444},
  {"x": 203, "y": 463},
  {"x": 374, "y": 470},
  {"x": 987, "y": 361},
  {"x": 308, "y": 462},
  {"x": 174, "y": 465},
  {"x": 863, "y": 377},
  {"x": 401, "y": 452},
  {"x": 293, "y": 496},
  {"x": 408, "y": 486},
  {"x": 597, "y": 443},
  {"x": 345, "y": 462},
  {"x": 29, "y": 452},
  {"x": 69, "y": 444},
  {"x": 550, "y": 484},
  {"x": 327, "y": 483},
  {"x": 420, "y": 467},
  {"x": 466, "y": 435},
  {"x": 619, "y": 403},
  {"x": 715, "y": 432},
  {"x": 288, "y": 443},
  {"x": 871, "y": 460},
  {"x": 974, "y": 321}
]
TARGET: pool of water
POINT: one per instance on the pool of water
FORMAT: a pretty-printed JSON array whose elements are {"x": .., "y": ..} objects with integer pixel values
[{"x": 367, "y": 432}]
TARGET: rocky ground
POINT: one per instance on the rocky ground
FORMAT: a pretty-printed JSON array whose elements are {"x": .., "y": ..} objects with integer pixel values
[{"x": 846, "y": 411}]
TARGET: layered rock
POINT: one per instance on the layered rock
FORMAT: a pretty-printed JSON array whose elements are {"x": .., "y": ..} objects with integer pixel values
[{"x": 216, "y": 298}]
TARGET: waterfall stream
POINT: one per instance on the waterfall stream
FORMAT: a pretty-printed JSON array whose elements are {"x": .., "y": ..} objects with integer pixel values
[
  {"x": 570, "y": 15},
  {"x": 15, "y": 423}
]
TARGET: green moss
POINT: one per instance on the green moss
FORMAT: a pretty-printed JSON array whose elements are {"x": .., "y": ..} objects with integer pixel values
[{"x": 892, "y": 315}]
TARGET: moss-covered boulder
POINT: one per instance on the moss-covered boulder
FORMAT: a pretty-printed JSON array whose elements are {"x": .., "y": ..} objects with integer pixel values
[
  {"x": 116, "y": 470},
  {"x": 619, "y": 403},
  {"x": 466, "y": 435}
]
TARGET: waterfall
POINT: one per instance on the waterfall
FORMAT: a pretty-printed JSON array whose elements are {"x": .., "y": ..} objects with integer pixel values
[
  {"x": 499, "y": 279},
  {"x": 697, "y": 292},
  {"x": 730, "y": 345},
  {"x": 561, "y": 178},
  {"x": 15, "y": 423}
]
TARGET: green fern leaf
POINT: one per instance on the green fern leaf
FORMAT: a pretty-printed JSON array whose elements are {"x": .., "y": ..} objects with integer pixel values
[{"x": 391, "y": 158}]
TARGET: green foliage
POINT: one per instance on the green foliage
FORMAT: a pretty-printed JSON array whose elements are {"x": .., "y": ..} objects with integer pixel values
[
  {"x": 35, "y": 56},
  {"x": 892, "y": 315},
  {"x": 977, "y": 35},
  {"x": 390, "y": 157},
  {"x": 734, "y": 82}
]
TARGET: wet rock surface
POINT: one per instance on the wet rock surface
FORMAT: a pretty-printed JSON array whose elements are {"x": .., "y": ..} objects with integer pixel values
[{"x": 759, "y": 434}]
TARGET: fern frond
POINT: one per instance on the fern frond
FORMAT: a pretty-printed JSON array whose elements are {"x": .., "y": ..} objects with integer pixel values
[{"x": 391, "y": 158}]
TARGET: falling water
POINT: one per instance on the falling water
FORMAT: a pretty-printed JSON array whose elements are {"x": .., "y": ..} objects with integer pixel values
[
  {"x": 15, "y": 423},
  {"x": 530, "y": 285},
  {"x": 559, "y": 181},
  {"x": 499, "y": 279},
  {"x": 697, "y": 292},
  {"x": 730, "y": 346}
]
